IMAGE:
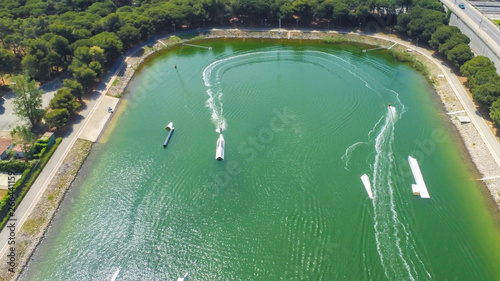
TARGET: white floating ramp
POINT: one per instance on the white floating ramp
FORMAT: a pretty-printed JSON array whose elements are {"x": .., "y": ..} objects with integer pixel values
[
  {"x": 170, "y": 127},
  {"x": 115, "y": 275},
  {"x": 368, "y": 186},
  {"x": 419, "y": 187},
  {"x": 183, "y": 278}
]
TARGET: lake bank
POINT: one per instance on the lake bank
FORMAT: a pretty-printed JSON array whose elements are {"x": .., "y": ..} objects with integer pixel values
[{"x": 471, "y": 140}]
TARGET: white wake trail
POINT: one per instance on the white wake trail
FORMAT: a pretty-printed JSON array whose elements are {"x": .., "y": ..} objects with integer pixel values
[{"x": 386, "y": 219}]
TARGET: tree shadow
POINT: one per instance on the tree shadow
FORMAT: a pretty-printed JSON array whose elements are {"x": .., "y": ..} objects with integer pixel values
[{"x": 2, "y": 109}]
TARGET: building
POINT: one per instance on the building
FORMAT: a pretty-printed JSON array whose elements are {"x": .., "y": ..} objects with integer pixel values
[{"x": 5, "y": 147}]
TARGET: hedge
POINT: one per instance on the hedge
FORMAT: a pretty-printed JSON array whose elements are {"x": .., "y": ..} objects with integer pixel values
[
  {"x": 24, "y": 184},
  {"x": 13, "y": 165}
]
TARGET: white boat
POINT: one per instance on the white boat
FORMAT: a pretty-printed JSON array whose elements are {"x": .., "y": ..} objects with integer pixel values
[
  {"x": 115, "y": 275},
  {"x": 368, "y": 186},
  {"x": 392, "y": 111},
  {"x": 219, "y": 153},
  {"x": 183, "y": 278},
  {"x": 419, "y": 187},
  {"x": 170, "y": 126}
]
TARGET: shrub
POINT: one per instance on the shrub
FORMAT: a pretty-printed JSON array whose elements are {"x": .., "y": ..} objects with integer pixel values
[
  {"x": 495, "y": 111},
  {"x": 13, "y": 165}
]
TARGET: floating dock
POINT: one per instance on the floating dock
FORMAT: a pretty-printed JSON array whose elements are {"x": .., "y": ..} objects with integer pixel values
[
  {"x": 171, "y": 128},
  {"x": 219, "y": 153},
  {"x": 115, "y": 275},
  {"x": 368, "y": 186},
  {"x": 183, "y": 278},
  {"x": 419, "y": 187}
]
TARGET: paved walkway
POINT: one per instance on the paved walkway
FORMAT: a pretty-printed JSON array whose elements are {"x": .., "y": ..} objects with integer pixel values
[{"x": 99, "y": 119}]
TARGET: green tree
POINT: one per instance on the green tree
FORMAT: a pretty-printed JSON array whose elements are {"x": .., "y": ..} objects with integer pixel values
[
  {"x": 442, "y": 34},
  {"x": 486, "y": 93},
  {"x": 6, "y": 62},
  {"x": 60, "y": 45},
  {"x": 64, "y": 99},
  {"x": 28, "y": 101},
  {"x": 460, "y": 54},
  {"x": 481, "y": 77},
  {"x": 110, "y": 43},
  {"x": 455, "y": 40},
  {"x": 57, "y": 118},
  {"x": 495, "y": 111},
  {"x": 24, "y": 137},
  {"x": 35, "y": 63},
  {"x": 421, "y": 22},
  {"x": 85, "y": 76},
  {"x": 82, "y": 55},
  {"x": 14, "y": 41},
  {"x": 474, "y": 65},
  {"x": 96, "y": 67},
  {"x": 75, "y": 88},
  {"x": 97, "y": 54},
  {"x": 129, "y": 34}
]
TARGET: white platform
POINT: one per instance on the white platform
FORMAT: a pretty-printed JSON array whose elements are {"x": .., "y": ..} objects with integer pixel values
[
  {"x": 368, "y": 186},
  {"x": 419, "y": 188}
]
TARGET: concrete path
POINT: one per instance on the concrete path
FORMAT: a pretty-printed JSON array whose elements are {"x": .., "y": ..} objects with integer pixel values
[{"x": 99, "y": 119}]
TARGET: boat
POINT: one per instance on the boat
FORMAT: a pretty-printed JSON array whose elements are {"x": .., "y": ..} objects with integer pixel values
[
  {"x": 392, "y": 111},
  {"x": 183, "y": 278},
  {"x": 115, "y": 275},
  {"x": 171, "y": 128},
  {"x": 419, "y": 187},
  {"x": 368, "y": 186},
  {"x": 219, "y": 153}
]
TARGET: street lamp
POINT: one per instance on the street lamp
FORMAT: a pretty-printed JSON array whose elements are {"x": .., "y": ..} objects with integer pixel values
[
  {"x": 174, "y": 27},
  {"x": 297, "y": 24},
  {"x": 417, "y": 40},
  {"x": 328, "y": 24},
  {"x": 359, "y": 26},
  {"x": 265, "y": 22},
  {"x": 203, "y": 23}
]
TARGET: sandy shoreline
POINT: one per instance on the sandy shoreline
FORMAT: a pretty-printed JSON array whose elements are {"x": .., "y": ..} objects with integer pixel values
[{"x": 472, "y": 141}]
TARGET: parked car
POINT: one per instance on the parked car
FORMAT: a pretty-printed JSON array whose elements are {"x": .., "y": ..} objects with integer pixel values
[{"x": 461, "y": 6}]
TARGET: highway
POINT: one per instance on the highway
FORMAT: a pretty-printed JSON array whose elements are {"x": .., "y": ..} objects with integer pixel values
[
  {"x": 490, "y": 9},
  {"x": 479, "y": 19}
]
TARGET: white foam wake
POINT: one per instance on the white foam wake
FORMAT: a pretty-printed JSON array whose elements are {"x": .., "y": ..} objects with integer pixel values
[
  {"x": 214, "y": 89},
  {"x": 397, "y": 256},
  {"x": 213, "y": 72}
]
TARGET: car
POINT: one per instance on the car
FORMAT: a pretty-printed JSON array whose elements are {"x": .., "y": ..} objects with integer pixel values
[{"x": 461, "y": 6}]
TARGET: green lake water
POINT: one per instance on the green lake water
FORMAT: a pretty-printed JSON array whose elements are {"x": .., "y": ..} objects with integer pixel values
[{"x": 302, "y": 122}]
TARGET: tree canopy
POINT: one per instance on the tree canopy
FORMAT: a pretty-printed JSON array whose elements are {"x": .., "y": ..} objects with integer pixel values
[{"x": 28, "y": 101}]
